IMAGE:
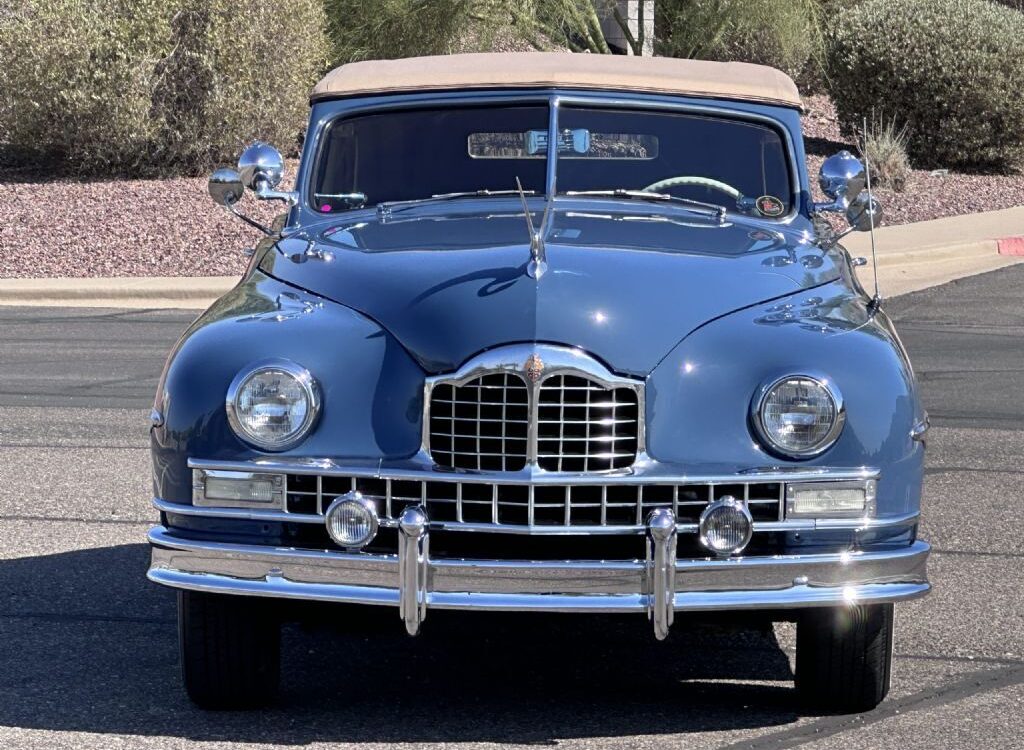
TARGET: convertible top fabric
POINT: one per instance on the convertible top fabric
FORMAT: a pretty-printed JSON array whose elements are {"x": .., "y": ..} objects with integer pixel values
[{"x": 526, "y": 70}]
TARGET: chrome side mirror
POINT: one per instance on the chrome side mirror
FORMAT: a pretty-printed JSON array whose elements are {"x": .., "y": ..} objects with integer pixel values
[
  {"x": 261, "y": 168},
  {"x": 261, "y": 165},
  {"x": 864, "y": 213},
  {"x": 225, "y": 187},
  {"x": 842, "y": 175}
]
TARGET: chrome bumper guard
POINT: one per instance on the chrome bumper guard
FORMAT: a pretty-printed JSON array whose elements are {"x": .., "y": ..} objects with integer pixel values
[{"x": 659, "y": 585}]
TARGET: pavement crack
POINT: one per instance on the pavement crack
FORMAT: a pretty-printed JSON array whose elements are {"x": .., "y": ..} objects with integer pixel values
[{"x": 969, "y": 685}]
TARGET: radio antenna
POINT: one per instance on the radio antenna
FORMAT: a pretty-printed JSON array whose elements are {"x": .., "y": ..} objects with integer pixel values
[{"x": 876, "y": 301}]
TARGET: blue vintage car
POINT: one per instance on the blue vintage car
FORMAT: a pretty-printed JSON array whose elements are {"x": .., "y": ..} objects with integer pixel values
[{"x": 546, "y": 333}]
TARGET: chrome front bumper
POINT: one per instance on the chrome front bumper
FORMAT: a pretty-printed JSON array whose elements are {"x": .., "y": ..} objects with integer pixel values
[{"x": 659, "y": 585}]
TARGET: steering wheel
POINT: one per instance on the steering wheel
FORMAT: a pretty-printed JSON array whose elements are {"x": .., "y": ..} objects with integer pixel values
[{"x": 660, "y": 185}]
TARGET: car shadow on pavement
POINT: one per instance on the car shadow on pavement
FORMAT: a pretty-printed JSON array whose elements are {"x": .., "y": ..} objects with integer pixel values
[{"x": 87, "y": 644}]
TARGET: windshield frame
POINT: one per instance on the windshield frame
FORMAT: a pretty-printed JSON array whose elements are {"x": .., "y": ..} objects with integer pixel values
[{"x": 555, "y": 100}]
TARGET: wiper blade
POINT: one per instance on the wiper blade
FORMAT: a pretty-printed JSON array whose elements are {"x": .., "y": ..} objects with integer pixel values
[
  {"x": 388, "y": 207},
  {"x": 644, "y": 195}
]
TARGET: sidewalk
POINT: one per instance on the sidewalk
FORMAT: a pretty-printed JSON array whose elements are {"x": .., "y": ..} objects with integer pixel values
[
  {"x": 910, "y": 257},
  {"x": 928, "y": 253}
]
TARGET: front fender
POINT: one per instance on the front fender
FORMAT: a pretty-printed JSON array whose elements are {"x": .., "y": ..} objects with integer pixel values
[
  {"x": 699, "y": 396},
  {"x": 372, "y": 389}
]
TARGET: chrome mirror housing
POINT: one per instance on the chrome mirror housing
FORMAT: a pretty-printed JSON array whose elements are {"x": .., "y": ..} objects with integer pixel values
[
  {"x": 864, "y": 212},
  {"x": 842, "y": 175},
  {"x": 261, "y": 168},
  {"x": 261, "y": 165},
  {"x": 225, "y": 187}
]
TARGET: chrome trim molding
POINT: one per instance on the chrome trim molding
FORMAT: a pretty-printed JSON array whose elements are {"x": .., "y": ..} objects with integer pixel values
[
  {"x": 414, "y": 583},
  {"x": 920, "y": 430},
  {"x": 421, "y": 468},
  {"x": 557, "y": 360},
  {"x": 802, "y": 524}
]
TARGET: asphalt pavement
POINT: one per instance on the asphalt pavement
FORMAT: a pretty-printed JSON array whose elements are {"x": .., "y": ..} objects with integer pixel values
[{"x": 88, "y": 652}]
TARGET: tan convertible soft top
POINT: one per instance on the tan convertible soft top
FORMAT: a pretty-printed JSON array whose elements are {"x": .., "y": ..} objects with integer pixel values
[{"x": 662, "y": 75}]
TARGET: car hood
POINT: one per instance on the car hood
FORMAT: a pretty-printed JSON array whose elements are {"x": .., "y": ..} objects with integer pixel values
[{"x": 626, "y": 286}]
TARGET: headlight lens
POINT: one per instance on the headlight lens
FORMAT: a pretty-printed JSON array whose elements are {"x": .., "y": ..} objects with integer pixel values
[
  {"x": 273, "y": 405},
  {"x": 799, "y": 416}
]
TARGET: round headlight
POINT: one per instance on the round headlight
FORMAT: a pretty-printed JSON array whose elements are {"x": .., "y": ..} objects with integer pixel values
[
  {"x": 799, "y": 416},
  {"x": 273, "y": 405}
]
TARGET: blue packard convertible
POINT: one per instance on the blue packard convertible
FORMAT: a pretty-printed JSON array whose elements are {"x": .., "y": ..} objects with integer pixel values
[{"x": 545, "y": 333}]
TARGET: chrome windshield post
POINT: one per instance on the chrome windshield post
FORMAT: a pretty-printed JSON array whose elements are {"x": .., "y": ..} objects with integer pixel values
[
  {"x": 661, "y": 570},
  {"x": 412, "y": 568}
]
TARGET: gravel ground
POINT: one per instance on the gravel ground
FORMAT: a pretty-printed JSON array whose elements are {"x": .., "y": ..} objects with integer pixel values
[
  {"x": 926, "y": 196},
  {"x": 171, "y": 228}
]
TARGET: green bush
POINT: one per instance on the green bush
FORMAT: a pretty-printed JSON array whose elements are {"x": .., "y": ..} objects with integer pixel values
[
  {"x": 948, "y": 70},
  {"x": 783, "y": 35},
  {"x": 145, "y": 87}
]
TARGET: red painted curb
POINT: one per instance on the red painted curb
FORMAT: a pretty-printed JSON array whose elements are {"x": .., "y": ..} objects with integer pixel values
[{"x": 1011, "y": 246}]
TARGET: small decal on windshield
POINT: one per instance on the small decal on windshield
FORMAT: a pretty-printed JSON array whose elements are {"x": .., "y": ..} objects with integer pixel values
[{"x": 769, "y": 205}]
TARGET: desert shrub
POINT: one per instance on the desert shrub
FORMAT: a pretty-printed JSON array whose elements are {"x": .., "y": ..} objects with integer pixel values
[
  {"x": 884, "y": 145},
  {"x": 783, "y": 35},
  {"x": 947, "y": 69},
  {"x": 387, "y": 29},
  {"x": 149, "y": 86}
]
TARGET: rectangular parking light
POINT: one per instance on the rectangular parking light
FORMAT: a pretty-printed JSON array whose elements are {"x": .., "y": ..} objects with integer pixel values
[
  {"x": 831, "y": 499},
  {"x": 237, "y": 489}
]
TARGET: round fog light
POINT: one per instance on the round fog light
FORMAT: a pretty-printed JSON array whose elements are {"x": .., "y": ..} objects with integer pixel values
[
  {"x": 726, "y": 526},
  {"x": 352, "y": 520}
]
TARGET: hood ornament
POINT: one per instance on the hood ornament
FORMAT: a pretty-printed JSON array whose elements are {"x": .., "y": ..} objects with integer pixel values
[
  {"x": 538, "y": 256},
  {"x": 534, "y": 367}
]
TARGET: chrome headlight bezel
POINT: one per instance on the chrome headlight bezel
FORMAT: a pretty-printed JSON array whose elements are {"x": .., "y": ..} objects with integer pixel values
[
  {"x": 765, "y": 437},
  {"x": 309, "y": 387}
]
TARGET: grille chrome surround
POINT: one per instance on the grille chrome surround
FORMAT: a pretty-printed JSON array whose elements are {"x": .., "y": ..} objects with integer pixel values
[
  {"x": 547, "y": 407},
  {"x": 533, "y": 508}
]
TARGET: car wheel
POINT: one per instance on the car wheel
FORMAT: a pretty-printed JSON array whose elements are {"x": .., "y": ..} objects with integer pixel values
[
  {"x": 230, "y": 650},
  {"x": 844, "y": 657}
]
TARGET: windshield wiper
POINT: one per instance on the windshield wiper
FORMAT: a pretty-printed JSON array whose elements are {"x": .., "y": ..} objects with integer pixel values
[
  {"x": 388, "y": 207},
  {"x": 644, "y": 195}
]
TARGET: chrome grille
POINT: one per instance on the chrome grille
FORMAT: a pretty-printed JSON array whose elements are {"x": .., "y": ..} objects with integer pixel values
[
  {"x": 583, "y": 426},
  {"x": 481, "y": 425},
  {"x": 534, "y": 406},
  {"x": 532, "y": 506}
]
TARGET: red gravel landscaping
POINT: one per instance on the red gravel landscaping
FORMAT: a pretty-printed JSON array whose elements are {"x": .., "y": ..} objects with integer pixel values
[{"x": 171, "y": 227}]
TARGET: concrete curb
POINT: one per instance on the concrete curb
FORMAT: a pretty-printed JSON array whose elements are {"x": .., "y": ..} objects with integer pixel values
[
  {"x": 910, "y": 257},
  {"x": 186, "y": 292}
]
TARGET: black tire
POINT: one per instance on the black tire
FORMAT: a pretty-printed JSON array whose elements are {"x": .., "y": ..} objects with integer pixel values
[
  {"x": 230, "y": 650},
  {"x": 844, "y": 657}
]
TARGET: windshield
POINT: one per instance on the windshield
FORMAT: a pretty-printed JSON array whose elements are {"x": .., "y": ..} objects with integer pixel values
[{"x": 408, "y": 155}]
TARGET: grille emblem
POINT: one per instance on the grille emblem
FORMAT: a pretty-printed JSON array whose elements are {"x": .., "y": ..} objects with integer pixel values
[{"x": 534, "y": 368}]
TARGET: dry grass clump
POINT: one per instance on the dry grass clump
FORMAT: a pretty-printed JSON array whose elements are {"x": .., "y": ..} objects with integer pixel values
[{"x": 884, "y": 145}]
